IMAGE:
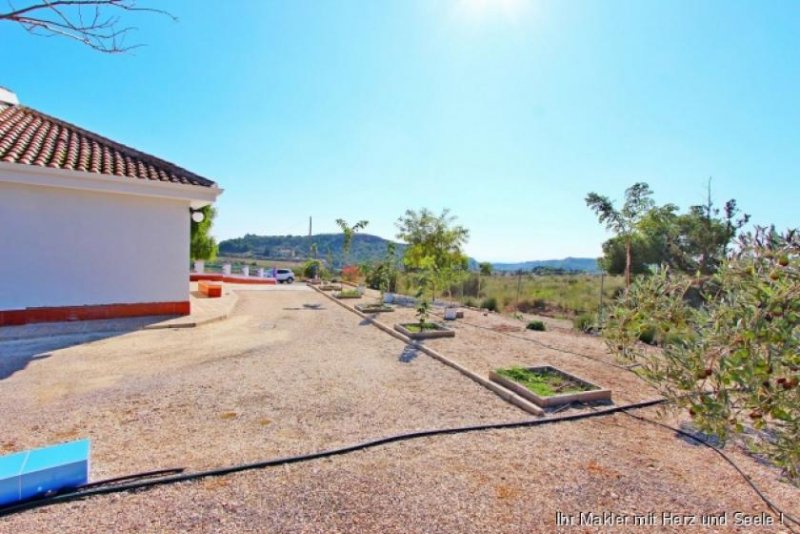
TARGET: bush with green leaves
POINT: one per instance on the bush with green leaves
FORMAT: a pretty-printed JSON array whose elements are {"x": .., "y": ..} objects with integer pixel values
[
  {"x": 730, "y": 343},
  {"x": 536, "y": 325},
  {"x": 383, "y": 276},
  {"x": 202, "y": 246},
  {"x": 313, "y": 268},
  {"x": 584, "y": 322},
  {"x": 489, "y": 303}
]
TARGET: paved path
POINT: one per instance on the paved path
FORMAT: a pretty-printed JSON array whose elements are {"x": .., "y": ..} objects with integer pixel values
[{"x": 204, "y": 311}]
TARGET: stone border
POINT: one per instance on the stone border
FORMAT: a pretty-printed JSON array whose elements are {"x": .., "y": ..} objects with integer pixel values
[
  {"x": 441, "y": 331},
  {"x": 500, "y": 391},
  {"x": 595, "y": 395}
]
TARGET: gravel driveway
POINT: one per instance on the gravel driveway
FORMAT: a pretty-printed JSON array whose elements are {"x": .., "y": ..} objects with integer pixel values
[{"x": 278, "y": 378}]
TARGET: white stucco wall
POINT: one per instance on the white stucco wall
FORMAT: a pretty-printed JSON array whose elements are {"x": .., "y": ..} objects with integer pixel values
[{"x": 65, "y": 247}]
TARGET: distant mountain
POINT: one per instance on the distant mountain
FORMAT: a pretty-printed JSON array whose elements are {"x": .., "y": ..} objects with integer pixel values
[
  {"x": 364, "y": 247},
  {"x": 568, "y": 264}
]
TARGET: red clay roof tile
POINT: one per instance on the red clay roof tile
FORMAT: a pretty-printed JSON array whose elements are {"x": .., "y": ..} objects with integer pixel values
[{"x": 30, "y": 137}]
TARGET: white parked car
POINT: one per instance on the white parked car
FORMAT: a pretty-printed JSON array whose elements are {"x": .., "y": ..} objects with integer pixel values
[{"x": 284, "y": 275}]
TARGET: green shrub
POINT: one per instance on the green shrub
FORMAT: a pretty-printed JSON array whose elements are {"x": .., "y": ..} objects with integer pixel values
[
  {"x": 536, "y": 325},
  {"x": 584, "y": 322},
  {"x": 731, "y": 360},
  {"x": 647, "y": 334},
  {"x": 312, "y": 268},
  {"x": 489, "y": 303},
  {"x": 470, "y": 302}
]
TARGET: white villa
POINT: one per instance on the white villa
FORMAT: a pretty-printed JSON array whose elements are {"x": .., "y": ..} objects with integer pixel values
[{"x": 89, "y": 228}]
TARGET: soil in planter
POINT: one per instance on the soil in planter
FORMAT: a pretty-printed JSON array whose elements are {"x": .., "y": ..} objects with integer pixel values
[
  {"x": 374, "y": 308},
  {"x": 416, "y": 328},
  {"x": 330, "y": 287},
  {"x": 545, "y": 382}
]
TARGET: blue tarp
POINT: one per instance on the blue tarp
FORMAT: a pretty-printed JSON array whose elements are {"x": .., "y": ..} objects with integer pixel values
[{"x": 33, "y": 473}]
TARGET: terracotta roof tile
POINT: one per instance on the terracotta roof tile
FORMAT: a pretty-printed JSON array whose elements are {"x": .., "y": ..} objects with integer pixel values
[{"x": 30, "y": 137}]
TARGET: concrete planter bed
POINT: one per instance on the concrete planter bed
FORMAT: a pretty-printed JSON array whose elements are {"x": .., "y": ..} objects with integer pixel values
[
  {"x": 373, "y": 308},
  {"x": 549, "y": 386},
  {"x": 350, "y": 294},
  {"x": 330, "y": 287},
  {"x": 431, "y": 330}
]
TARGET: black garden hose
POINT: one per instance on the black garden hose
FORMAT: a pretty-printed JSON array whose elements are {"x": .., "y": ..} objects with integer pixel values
[
  {"x": 96, "y": 489},
  {"x": 725, "y": 457},
  {"x": 112, "y": 486}
]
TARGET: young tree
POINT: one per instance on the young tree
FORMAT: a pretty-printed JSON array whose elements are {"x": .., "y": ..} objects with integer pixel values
[
  {"x": 623, "y": 221},
  {"x": 730, "y": 347},
  {"x": 434, "y": 246},
  {"x": 349, "y": 232},
  {"x": 95, "y": 23},
  {"x": 202, "y": 245},
  {"x": 698, "y": 240},
  {"x": 693, "y": 242}
]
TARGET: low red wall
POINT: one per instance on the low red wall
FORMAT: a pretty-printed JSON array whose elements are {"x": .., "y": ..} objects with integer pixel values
[
  {"x": 232, "y": 279},
  {"x": 88, "y": 313}
]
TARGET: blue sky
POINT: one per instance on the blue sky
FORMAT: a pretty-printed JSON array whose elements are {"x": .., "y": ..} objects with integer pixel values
[{"x": 505, "y": 111}]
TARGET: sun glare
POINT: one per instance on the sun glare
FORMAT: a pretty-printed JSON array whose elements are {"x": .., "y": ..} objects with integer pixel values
[{"x": 479, "y": 9}]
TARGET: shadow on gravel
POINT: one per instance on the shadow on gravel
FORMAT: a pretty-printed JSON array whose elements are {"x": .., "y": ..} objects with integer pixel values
[
  {"x": 17, "y": 354},
  {"x": 20, "y": 345},
  {"x": 690, "y": 429},
  {"x": 409, "y": 354}
]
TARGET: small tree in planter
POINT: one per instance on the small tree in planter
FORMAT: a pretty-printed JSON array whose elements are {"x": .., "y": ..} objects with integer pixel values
[
  {"x": 348, "y": 232},
  {"x": 424, "y": 328},
  {"x": 423, "y": 312},
  {"x": 423, "y": 304}
]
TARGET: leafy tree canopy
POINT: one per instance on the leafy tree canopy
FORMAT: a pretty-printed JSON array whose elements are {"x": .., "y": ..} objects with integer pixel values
[
  {"x": 693, "y": 242},
  {"x": 731, "y": 349},
  {"x": 202, "y": 245},
  {"x": 435, "y": 247}
]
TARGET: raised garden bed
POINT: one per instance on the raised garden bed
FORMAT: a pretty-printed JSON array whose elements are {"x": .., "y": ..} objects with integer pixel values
[
  {"x": 330, "y": 287},
  {"x": 548, "y": 386},
  {"x": 374, "y": 308},
  {"x": 424, "y": 331},
  {"x": 348, "y": 294}
]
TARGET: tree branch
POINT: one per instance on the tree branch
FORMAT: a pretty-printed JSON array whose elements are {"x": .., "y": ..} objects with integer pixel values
[{"x": 65, "y": 18}]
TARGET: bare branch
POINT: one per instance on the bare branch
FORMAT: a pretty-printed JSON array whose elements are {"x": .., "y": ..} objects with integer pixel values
[{"x": 65, "y": 18}]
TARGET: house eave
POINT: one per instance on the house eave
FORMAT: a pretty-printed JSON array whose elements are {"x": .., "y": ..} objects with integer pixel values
[{"x": 197, "y": 195}]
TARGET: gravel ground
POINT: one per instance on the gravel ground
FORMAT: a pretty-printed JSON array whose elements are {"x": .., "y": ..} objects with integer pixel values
[
  {"x": 485, "y": 342},
  {"x": 278, "y": 379}
]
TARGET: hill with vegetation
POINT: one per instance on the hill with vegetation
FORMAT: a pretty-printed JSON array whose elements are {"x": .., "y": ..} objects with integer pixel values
[
  {"x": 588, "y": 265},
  {"x": 364, "y": 247}
]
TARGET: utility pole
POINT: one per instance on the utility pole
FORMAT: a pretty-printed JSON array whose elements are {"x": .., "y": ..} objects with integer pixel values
[{"x": 310, "y": 244}]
